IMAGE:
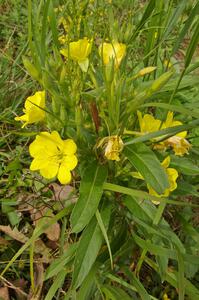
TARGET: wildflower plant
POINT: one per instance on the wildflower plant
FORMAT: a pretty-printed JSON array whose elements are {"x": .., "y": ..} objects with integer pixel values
[{"x": 111, "y": 128}]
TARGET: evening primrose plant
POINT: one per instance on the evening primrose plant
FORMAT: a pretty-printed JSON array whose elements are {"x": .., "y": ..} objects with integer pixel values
[{"x": 109, "y": 124}]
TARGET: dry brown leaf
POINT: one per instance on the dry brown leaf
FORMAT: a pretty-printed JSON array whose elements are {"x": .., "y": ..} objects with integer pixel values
[
  {"x": 61, "y": 192},
  {"x": 44, "y": 215},
  {"x": 4, "y": 293},
  {"x": 14, "y": 233},
  {"x": 39, "y": 248}
]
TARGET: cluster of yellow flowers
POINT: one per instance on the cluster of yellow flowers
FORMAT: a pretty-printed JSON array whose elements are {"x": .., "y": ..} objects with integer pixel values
[
  {"x": 55, "y": 157},
  {"x": 80, "y": 50},
  {"x": 177, "y": 142}
]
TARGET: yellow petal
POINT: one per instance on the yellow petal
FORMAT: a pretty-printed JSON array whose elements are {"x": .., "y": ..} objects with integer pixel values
[
  {"x": 84, "y": 65},
  {"x": 38, "y": 99},
  {"x": 22, "y": 118},
  {"x": 38, "y": 163},
  {"x": 114, "y": 51},
  {"x": 69, "y": 147},
  {"x": 70, "y": 162},
  {"x": 50, "y": 171},
  {"x": 172, "y": 175},
  {"x": 64, "y": 175},
  {"x": 43, "y": 143},
  {"x": 166, "y": 162},
  {"x": 57, "y": 139},
  {"x": 169, "y": 119},
  {"x": 148, "y": 123},
  {"x": 79, "y": 50}
]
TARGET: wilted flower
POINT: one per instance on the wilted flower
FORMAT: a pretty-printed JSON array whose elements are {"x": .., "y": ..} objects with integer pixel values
[
  {"x": 53, "y": 156},
  {"x": 115, "y": 51},
  {"x": 113, "y": 145},
  {"x": 34, "y": 109},
  {"x": 177, "y": 142},
  {"x": 79, "y": 51}
]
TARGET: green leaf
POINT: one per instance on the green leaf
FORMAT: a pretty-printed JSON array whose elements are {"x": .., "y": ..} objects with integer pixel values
[
  {"x": 171, "y": 278},
  {"x": 149, "y": 9},
  {"x": 185, "y": 28},
  {"x": 57, "y": 283},
  {"x": 88, "y": 284},
  {"x": 137, "y": 284},
  {"x": 184, "y": 188},
  {"x": 103, "y": 229},
  {"x": 147, "y": 164},
  {"x": 174, "y": 18},
  {"x": 58, "y": 264},
  {"x": 114, "y": 293},
  {"x": 143, "y": 195},
  {"x": 192, "y": 46},
  {"x": 185, "y": 165},
  {"x": 181, "y": 279},
  {"x": 89, "y": 246},
  {"x": 91, "y": 189}
]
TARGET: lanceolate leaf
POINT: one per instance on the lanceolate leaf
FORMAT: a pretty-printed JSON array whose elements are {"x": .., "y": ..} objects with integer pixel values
[
  {"x": 137, "y": 284},
  {"x": 185, "y": 165},
  {"x": 114, "y": 293},
  {"x": 91, "y": 189},
  {"x": 147, "y": 164},
  {"x": 58, "y": 264},
  {"x": 192, "y": 46},
  {"x": 89, "y": 246},
  {"x": 185, "y": 29}
]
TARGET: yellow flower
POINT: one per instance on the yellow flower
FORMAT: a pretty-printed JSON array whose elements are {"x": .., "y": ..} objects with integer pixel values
[
  {"x": 53, "y": 156},
  {"x": 172, "y": 177},
  {"x": 177, "y": 142},
  {"x": 79, "y": 51},
  {"x": 148, "y": 123},
  {"x": 113, "y": 147},
  {"x": 115, "y": 51},
  {"x": 33, "y": 111}
]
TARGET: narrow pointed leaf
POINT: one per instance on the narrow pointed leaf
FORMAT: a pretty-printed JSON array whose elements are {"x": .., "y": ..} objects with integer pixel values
[
  {"x": 147, "y": 164},
  {"x": 91, "y": 189},
  {"x": 89, "y": 246}
]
